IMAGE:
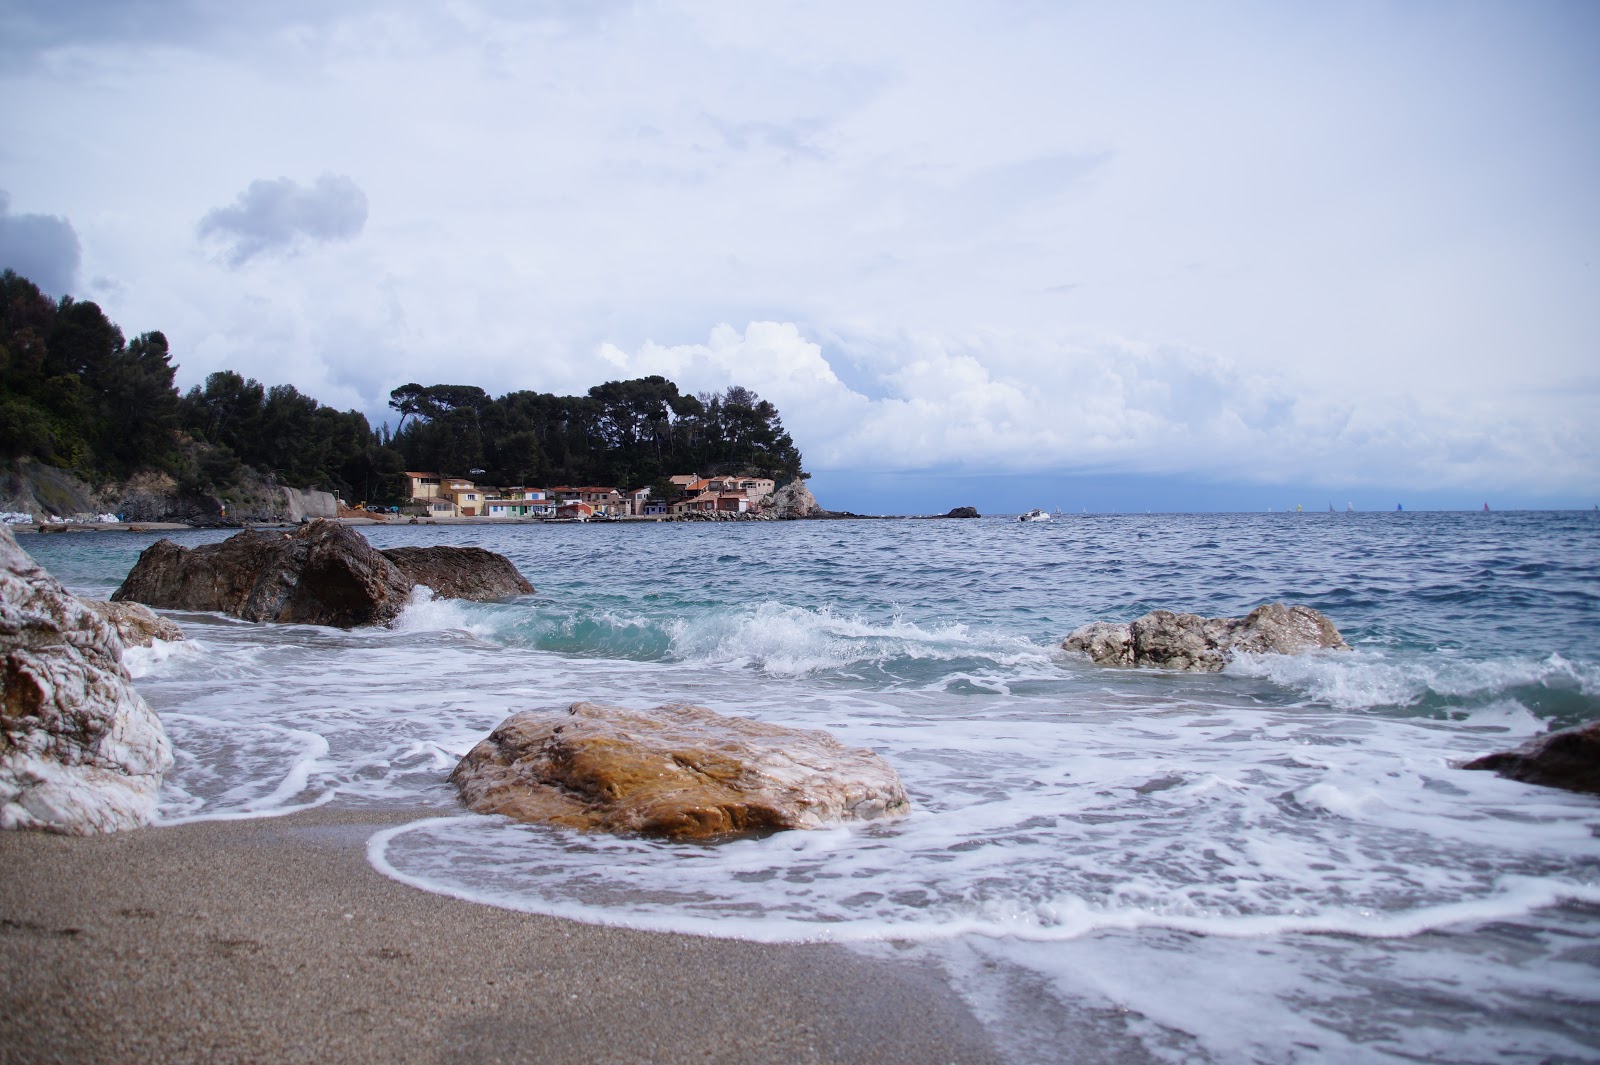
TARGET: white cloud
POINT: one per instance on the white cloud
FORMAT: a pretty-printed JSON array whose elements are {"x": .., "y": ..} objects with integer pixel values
[
  {"x": 1355, "y": 239},
  {"x": 1127, "y": 406}
]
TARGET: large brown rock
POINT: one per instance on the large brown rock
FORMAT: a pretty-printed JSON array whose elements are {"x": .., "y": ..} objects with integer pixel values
[
  {"x": 1567, "y": 759},
  {"x": 679, "y": 771},
  {"x": 80, "y": 751},
  {"x": 460, "y": 572},
  {"x": 1169, "y": 640},
  {"x": 321, "y": 574},
  {"x": 136, "y": 624}
]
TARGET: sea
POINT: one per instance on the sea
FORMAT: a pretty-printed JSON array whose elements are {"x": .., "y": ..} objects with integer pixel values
[{"x": 1281, "y": 862}]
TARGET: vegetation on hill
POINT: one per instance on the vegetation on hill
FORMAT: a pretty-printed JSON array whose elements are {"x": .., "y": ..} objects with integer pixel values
[
  {"x": 76, "y": 394},
  {"x": 622, "y": 433}
]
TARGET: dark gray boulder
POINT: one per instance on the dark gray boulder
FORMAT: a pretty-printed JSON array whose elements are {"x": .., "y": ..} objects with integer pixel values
[
  {"x": 1567, "y": 759},
  {"x": 460, "y": 572}
]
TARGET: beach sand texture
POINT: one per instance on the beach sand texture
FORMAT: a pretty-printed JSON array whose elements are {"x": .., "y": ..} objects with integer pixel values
[{"x": 273, "y": 940}]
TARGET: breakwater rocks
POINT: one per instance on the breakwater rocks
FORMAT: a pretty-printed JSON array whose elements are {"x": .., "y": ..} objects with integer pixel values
[
  {"x": 80, "y": 751},
  {"x": 678, "y": 771},
  {"x": 324, "y": 573},
  {"x": 1168, "y": 640},
  {"x": 1567, "y": 759}
]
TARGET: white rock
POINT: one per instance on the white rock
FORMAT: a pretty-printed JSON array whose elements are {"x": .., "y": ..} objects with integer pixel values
[{"x": 80, "y": 751}]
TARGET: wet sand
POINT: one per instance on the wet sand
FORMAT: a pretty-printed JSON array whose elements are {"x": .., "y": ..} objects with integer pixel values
[{"x": 273, "y": 940}]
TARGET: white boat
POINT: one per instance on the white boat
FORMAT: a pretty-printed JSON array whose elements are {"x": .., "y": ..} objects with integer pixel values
[{"x": 1035, "y": 514}]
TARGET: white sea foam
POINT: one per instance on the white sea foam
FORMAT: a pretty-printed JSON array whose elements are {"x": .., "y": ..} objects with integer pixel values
[
  {"x": 1362, "y": 679},
  {"x": 143, "y": 661},
  {"x": 792, "y": 641}
]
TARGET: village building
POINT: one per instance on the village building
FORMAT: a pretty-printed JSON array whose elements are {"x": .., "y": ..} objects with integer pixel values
[
  {"x": 575, "y": 508},
  {"x": 606, "y": 501}
]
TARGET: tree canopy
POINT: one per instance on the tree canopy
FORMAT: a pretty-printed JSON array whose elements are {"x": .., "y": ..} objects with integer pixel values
[
  {"x": 623, "y": 433},
  {"x": 75, "y": 393}
]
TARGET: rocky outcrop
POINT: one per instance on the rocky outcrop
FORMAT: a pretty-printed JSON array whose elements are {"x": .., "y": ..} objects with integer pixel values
[
  {"x": 30, "y": 487},
  {"x": 794, "y": 500},
  {"x": 1567, "y": 759},
  {"x": 460, "y": 572},
  {"x": 309, "y": 504},
  {"x": 682, "y": 772},
  {"x": 963, "y": 512},
  {"x": 323, "y": 573},
  {"x": 1168, "y": 640},
  {"x": 137, "y": 625},
  {"x": 80, "y": 751}
]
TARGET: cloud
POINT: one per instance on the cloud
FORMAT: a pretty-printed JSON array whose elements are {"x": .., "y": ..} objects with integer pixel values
[
  {"x": 1031, "y": 403},
  {"x": 281, "y": 215},
  {"x": 41, "y": 247}
]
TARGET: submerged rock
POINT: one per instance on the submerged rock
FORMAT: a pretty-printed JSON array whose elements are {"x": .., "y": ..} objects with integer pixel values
[
  {"x": 1169, "y": 640},
  {"x": 80, "y": 751},
  {"x": 460, "y": 572},
  {"x": 324, "y": 573},
  {"x": 678, "y": 771},
  {"x": 136, "y": 624},
  {"x": 1567, "y": 759}
]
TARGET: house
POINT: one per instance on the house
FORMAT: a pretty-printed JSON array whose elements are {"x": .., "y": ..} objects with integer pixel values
[
  {"x": 428, "y": 496},
  {"x": 684, "y": 480},
  {"x": 602, "y": 500},
  {"x": 423, "y": 485},
  {"x": 702, "y": 501},
  {"x": 519, "y": 508},
  {"x": 467, "y": 497},
  {"x": 575, "y": 509}
]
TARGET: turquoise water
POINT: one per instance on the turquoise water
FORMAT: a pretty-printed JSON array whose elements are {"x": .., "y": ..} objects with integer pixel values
[{"x": 1275, "y": 863}]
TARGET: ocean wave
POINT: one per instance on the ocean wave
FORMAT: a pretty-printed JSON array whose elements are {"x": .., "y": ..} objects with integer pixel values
[
  {"x": 790, "y": 641},
  {"x": 1552, "y": 687},
  {"x": 772, "y": 638},
  {"x": 141, "y": 662}
]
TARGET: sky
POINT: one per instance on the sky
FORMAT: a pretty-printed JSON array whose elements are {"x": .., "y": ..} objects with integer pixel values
[{"x": 1167, "y": 256}]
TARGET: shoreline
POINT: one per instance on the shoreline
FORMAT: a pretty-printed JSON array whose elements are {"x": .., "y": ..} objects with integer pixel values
[{"x": 273, "y": 939}]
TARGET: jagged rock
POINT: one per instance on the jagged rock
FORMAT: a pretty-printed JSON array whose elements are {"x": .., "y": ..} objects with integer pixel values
[
  {"x": 80, "y": 751},
  {"x": 321, "y": 574},
  {"x": 794, "y": 500},
  {"x": 137, "y": 625},
  {"x": 460, "y": 572},
  {"x": 1567, "y": 759},
  {"x": 1105, "y": 642},
  {"x": 1168, "y": 640},
  {"x": 963, "y": 512},
  {"x": 678, "y": 771}
]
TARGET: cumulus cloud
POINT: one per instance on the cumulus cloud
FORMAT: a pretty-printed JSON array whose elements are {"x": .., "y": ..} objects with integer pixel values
[
  {"x": 41, "y": 247},
  {"x": 282, "y": 215},
  {"x": 1030, "y": 403}
]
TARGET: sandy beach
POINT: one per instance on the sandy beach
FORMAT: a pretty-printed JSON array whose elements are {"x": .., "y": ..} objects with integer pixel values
[{"x": 273, "y": 940}]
